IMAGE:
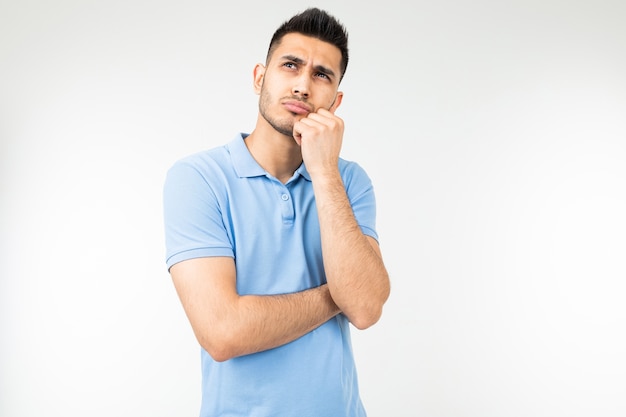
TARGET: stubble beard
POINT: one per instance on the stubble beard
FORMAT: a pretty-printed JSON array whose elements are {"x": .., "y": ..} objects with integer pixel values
[{"x": 282, "y": 126}]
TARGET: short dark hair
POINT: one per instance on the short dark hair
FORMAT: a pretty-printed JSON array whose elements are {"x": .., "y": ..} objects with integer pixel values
[{"x": 318, "y": 24}]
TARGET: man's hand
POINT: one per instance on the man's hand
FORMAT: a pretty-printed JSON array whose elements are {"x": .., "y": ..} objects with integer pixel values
[{"x": 320, "y": 136}]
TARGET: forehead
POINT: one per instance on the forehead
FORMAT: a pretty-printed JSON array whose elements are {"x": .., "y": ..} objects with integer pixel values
[{"x": 311, "y": 50}]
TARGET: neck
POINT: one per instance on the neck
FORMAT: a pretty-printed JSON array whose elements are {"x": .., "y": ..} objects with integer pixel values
[{"x": 278, "y": 154}]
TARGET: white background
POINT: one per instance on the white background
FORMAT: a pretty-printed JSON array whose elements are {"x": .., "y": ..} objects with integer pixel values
[{"x": 494, "y": 133}]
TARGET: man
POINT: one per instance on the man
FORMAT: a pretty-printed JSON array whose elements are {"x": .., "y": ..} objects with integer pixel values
[{"x": 271, "y": 241}]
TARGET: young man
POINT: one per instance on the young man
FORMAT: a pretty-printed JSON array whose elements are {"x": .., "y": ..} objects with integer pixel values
[{"x": 271, "y": 241}]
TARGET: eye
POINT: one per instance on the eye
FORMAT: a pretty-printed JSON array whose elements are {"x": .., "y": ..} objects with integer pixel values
[
  {"x": 322, "y": 75},
  {"x": 291, "y": 65}
]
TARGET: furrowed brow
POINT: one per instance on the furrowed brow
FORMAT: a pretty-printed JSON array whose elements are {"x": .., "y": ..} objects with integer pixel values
[
  {"x": 324, "y": 70},
  {"x": 300, "y": 61},
  {"x": 293, "y": 58}
]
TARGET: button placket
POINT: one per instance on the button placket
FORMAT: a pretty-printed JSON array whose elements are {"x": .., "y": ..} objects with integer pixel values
[{"x": 286, "y": 203}]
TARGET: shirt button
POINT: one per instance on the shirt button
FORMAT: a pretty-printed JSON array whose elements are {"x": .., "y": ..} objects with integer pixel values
[{"x": 285, "y": 197}]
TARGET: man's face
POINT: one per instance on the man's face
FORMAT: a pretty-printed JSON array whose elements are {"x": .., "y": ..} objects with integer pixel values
[{"x": 301, "y": 76}]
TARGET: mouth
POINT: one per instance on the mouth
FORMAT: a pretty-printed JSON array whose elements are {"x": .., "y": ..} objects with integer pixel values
[{"x": 297, "y": 107}]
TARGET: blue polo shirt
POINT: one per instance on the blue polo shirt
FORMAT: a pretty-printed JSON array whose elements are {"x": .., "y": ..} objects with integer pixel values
[{"x": 221, "y": 202}]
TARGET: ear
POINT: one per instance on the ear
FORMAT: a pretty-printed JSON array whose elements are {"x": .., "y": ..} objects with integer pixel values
[
  {"x": 258, "y": 74},
  {"x": 337, "y": 102}
]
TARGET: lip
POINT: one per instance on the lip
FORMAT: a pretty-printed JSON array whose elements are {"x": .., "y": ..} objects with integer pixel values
[{"x": 297, "y": 107}]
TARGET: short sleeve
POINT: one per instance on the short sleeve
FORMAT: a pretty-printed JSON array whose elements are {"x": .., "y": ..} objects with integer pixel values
[
  {"x": 194, "y": 226},
  {"x": 362, "y": 198}
]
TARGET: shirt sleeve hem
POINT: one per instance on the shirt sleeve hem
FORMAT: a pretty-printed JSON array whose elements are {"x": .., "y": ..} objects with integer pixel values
[{"x": 198, "y": 253}]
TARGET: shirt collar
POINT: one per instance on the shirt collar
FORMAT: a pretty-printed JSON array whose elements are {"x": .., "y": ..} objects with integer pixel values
[
  {"x": 303, "y": 172},
  {"x": 243, "y": 162}
]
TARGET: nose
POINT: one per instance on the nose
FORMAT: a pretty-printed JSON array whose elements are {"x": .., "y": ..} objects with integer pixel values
[{"x": 301, "y": 87}]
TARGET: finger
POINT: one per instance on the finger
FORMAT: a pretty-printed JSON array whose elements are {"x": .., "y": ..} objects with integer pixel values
[
  {"x": 299, "y": 129},
  {"x": 310, "y": 122},
  {"x": 323, "y": 112},
  {"x": 313, "y": 119},
  {"x": 328, "y": 120}
]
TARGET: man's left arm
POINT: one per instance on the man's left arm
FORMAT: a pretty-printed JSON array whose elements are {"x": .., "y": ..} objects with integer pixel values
[{"x": 357, "y": 277}]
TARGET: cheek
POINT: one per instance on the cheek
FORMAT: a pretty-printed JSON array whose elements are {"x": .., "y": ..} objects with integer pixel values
[
  {"x": 265, "y": 99},
  {"x": 333, "y": 103},
  {"x": 267, "y": 87}
]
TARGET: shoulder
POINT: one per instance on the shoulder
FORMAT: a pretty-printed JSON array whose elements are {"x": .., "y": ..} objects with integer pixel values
[
  {"x": 353, "y": 173},
  {"x": 201, "y": 161},
  {"x": 208, "y": 164}
]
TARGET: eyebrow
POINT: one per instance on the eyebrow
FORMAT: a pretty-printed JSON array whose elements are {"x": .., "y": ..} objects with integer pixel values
[{"x": 319, "y": 68}]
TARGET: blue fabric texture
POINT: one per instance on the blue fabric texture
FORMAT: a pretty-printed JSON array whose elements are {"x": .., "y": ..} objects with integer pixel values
[{"x": 221, "y": 202}]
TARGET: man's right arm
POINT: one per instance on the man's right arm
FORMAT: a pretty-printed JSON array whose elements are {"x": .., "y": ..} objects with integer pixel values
[{"x": 228, "y": 325}]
